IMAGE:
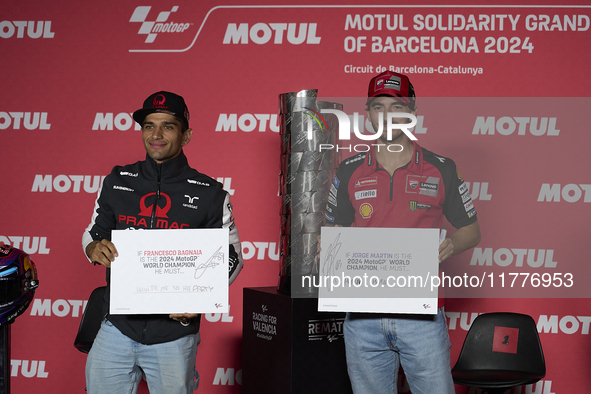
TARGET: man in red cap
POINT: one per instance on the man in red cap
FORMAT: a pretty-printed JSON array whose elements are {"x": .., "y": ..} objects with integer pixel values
[
  {"x": 145, "y": 195},
  {"x": 400, "y": 184}
]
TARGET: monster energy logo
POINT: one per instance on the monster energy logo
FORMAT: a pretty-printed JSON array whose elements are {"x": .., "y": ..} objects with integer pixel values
[{"x": 415, "y": 205}]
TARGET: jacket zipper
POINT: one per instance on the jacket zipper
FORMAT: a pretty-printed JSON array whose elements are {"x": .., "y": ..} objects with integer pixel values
[
  {"x": 154, "y": 207},
  {"x": 391, "y": 182},
  {"x": 392, "y": 186},
  {"x": 158, "y": 179}
]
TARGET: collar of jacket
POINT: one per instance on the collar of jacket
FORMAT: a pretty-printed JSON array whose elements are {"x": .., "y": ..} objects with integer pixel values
[
  {"x": 168, "y": 169},
  {"x": 415, "y": 165}
]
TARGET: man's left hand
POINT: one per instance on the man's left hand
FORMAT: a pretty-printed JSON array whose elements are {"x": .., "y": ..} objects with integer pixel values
[
  {"x": 463, "y": 239},
  {"x": 446, "y": 249}
]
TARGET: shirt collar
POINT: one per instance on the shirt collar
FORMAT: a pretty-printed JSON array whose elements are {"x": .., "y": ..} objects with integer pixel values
[{"x": 415, "y": 165}]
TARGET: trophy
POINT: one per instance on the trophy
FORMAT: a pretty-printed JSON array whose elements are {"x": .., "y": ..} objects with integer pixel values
[{"x": 308, "y": 162}]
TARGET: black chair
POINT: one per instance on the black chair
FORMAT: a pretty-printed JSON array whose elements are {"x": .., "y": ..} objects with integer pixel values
[
  {"x": 501, "y": 351},
  {"x": 91, "y": 320}
]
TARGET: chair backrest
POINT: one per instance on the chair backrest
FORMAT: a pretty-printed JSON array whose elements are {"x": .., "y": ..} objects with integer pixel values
[
  {"x": 505, "y": 342},
  {"x": 91, "y": 320}
]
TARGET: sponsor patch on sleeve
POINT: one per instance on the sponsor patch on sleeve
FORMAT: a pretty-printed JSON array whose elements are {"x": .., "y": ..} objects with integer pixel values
[
  {"x": 466, "y": 197},
  {"x": 463, "y": 188},
  {"x": 469, "y": 206},
  {"x": 333, "y": 190},
  {"x": 332, "y": 200},
  {"x": 336, "y": 181}
]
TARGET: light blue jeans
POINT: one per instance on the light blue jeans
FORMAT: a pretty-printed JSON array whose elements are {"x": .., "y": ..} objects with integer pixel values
[
  {"x": 377, "y": 345},
  {"x": 116, "y": 363}
]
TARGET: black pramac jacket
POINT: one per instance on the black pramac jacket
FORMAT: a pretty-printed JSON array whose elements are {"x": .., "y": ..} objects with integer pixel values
[{"x": 169, "y": 195}]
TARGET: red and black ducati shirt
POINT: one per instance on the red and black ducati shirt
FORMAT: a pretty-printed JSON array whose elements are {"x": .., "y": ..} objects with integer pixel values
[{"x": 363, "y": 194}]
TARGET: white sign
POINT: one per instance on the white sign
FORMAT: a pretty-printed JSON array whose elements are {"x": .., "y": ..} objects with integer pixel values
[
  {"x": 170, "y": 271},
  {"x": 387, "y": 270}
]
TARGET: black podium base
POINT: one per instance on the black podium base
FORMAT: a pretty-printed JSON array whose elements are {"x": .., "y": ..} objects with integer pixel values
[{"x": 289, "y": 347}]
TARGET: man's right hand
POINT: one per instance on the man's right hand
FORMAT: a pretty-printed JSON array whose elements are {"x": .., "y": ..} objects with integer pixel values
[{"x": 102, "y": 252}]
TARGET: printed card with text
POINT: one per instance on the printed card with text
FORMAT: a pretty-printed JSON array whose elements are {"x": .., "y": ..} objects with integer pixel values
[
  {"x": 170, "y": 271},
  {"x": 389, "y": 270}
]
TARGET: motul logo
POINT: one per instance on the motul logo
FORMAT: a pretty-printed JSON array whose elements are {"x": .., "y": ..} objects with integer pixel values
[
  {"x": 554, "y": 324},
  {"x": 262, "y": 250},
  {"x": 59, "y": 308},
  {"x": 34, "y": 29},
  {"x": 29, "y": 245},
  {"x": 504, "y": 257},
  {"x": 507, "y": 125},
  {"x": 28, "y": 368},
  {"x": 247, "y": 122},
  {"x": 569, "y": 193},
  {"x": 64, "y": 183},
  {"x": 227, "y": 377},
  {"x": 110, "y": 121},
  {"x": 262, "y": 33},
  {"x": 28, "y": 120}
]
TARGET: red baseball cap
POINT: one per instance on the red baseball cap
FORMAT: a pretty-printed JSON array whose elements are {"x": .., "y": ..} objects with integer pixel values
[{"x": 392, "y": 84}]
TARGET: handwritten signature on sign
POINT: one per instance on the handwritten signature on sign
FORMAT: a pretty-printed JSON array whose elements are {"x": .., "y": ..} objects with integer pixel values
[
  {"x": 332, "y": 264},
  {"x": 212, "y": 262}
]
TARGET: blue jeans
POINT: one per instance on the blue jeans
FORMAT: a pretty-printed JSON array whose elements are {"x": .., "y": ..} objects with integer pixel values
[
  {"x": 377, "y": 345},
  {"x": 116, "y": 363}
]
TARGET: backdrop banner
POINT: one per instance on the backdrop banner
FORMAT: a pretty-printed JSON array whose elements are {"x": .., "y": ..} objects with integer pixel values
[{"x": 501, "y": 89}]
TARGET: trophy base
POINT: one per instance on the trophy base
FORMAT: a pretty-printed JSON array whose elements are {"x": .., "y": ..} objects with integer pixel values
[
  {"x": 291, "y": 286},
  {"x": 289, "y": 347}
]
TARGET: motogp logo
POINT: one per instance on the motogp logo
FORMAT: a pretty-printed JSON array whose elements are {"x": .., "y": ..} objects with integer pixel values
[{"x": 160, "y": 25}]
